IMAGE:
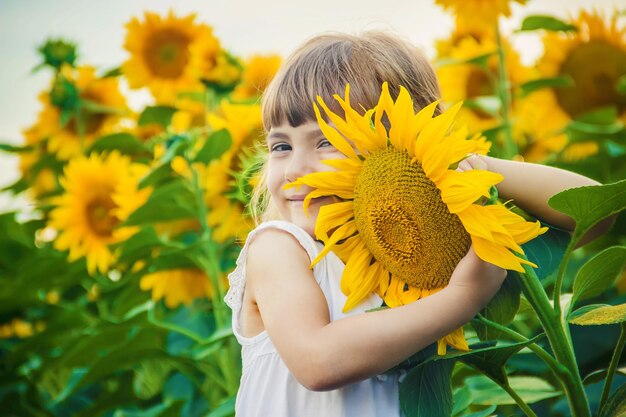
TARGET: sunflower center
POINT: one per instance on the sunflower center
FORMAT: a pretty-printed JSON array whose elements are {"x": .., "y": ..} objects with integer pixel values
[
  {"x": 167, "y": 53},
  {"x": 100, "y": 216},
  {"x": 596, "y": 68},
  {"x": 90, "y": 122},
  {"x": 404, "y": 223}
]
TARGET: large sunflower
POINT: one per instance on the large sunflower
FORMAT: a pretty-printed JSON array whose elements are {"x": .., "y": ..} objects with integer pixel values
[
  {"x": 405, "y": 218},
  {"x": 72, "y": 138},
  {"x": 594, "y": 57},
  {"x": 100, "y": 192},
  {"x": 160, "y": 54}
]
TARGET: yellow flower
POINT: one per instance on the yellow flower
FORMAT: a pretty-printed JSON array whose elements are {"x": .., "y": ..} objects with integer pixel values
[
  {"x": 243, "y": 122},
  {"x": 478, "y": 13},
  {"x": 257, "y": 74},
  {"x": 405, "y": 218},
  {"x": 160, "y": 54},
  {"x": 595, "y": 59},
  {"x": 176, "y": 286},
  {"x": 462, "y": 81},
  {"x": 78, "y": 134},
  {"x": 221, "y": 68},
  {"x": 100, "y": 192}
]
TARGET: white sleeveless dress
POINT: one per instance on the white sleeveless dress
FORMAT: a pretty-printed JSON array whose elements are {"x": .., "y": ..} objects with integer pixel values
[{"x": 267, "y": 387}]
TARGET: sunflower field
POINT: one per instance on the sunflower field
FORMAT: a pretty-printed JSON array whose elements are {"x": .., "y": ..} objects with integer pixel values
[{"x": 112, "y": 295}]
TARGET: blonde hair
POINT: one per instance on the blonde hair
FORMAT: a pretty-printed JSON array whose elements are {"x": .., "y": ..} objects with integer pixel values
[{"x": 323, "y": 66}]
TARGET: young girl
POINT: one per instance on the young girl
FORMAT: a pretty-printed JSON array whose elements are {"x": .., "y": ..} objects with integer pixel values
[{"x": 301, "y": 355}]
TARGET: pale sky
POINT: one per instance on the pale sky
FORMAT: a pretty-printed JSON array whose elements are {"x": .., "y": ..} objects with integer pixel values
[{"x": 244, "y": 27}]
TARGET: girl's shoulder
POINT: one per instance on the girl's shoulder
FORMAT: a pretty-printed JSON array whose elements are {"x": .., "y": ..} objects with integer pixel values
[{"x": 283, "y": 235}]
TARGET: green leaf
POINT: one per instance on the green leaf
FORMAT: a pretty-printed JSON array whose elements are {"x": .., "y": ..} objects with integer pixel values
[
  {"x": 502, "y": 308},
  {"x": 600, "y": 375},
  {"x": 601, "y": 116},
  {"x": 161, "y": 115},
  {"x": 113, "y": 72},
  {"x": 491, "y": 360},
  {"x": 488, "y": 104},
  {"x": 546, "y": 251},
  {"x": 531, "y": 389},
  {"x": 554, "y": 82},
  {"x": 14, "y": 149},
  {"x": 548, "y": 23},
  {"x": 599, "y": 273},
  {"x": 171, "y": 201},
  {"x": 589, "y": 205},
  {"x": 158, "y": 175},
  {"x": 426, "y": 391},
  {"x": 150, "y": 377},
  {"x": 462, "y": 400},
  {"x": 600, "y": 315},
  {"x": 123, "y": 142},
  {"x": 225, "y": 409},
  {"x": 480, "y": 60},
  {"x": 616, "y": 404},
  {"x": 484, "y": 413},
  {"x": 216, "y": 144}
]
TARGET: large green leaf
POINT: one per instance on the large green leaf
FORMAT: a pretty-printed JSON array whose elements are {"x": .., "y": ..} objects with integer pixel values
[
  {"x": 598, "y": 315},
  {"x": 531, "y": 389},
  {"x": 216, "y": 144},
  {"x": 491, "y": 360},
  {"x": 599, "y": 273},
  {"x": 546, "y": 251},
  {"x": 589, "y": 205},
  {"x": 616, "y": 404},
  {"x": 426, "y": 391}
]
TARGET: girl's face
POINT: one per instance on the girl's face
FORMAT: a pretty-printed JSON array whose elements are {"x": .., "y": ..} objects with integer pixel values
[{"x": 295, "y": 152}]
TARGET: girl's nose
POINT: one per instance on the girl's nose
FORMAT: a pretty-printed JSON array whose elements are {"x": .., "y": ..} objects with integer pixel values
[{"x": 299, "y": 165}]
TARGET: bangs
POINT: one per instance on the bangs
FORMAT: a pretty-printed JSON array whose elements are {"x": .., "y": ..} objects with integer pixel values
[
  {"x": 314, "y": 71},
  {"x": 324, "y": 65}
]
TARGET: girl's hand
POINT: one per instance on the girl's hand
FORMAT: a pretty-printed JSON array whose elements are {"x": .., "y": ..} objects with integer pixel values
[
  {"x": 478, "y": 280},
  {"x": 474, "y": 161}
]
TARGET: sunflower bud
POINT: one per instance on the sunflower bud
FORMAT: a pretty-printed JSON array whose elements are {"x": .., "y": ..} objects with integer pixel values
[{"x": 57, "y": 52}]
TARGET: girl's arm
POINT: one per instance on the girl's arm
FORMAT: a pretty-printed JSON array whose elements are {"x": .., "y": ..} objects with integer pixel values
[
  {"x": 325, "y": 355},
  {"x": 530, "y": 186}
]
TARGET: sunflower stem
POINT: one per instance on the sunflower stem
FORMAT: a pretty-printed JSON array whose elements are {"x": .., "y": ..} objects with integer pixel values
[
  {"x": 555, "y": 329},
  {"x": 559, "y": 370},
  {"x": 520, "y": 402},
  {"x": 504, "y": 93},
  {"x": 617, "y": 353},
  {"x": 225, "y": 357},
  {"x": 558, "y": 284}
]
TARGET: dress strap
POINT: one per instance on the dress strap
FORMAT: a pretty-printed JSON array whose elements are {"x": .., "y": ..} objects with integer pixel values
[{"x": 237, "y": 278}]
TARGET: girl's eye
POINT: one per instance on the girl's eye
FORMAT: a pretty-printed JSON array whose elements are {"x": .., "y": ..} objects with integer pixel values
[
  {"x": 325, "y": 143},
  {"x": 280, "y": 147}
]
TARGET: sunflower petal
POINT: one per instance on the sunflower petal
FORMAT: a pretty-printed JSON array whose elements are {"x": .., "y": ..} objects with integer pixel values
[
  {"x": 461, "y": 189},
  {"x": 368, "y": 285},
  {"x": 331, "y": 134}
]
